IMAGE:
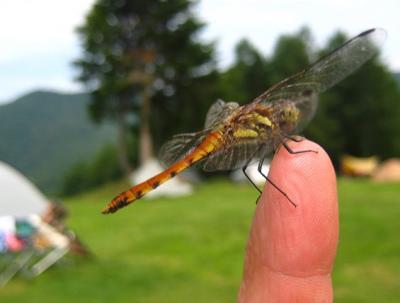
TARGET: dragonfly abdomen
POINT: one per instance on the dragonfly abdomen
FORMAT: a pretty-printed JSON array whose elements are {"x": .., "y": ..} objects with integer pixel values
[{"x": 209, "y": 144}]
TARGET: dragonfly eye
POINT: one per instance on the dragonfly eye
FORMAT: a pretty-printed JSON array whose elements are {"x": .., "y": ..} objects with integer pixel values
[{"x": 290, "y": 114}]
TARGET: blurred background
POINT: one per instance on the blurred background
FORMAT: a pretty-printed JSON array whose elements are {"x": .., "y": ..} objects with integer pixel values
[{"x": 90, "y": 90}]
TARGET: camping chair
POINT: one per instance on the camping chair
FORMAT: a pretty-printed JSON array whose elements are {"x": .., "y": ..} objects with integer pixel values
[
  {"x": 44, "y": 247},
  {"x": 17, "y": 262}
]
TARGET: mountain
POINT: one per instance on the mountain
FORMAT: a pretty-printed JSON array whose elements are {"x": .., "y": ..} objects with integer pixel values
[
  {"x": 397, "y": 77},
  {"x": 43, "y": 133}
]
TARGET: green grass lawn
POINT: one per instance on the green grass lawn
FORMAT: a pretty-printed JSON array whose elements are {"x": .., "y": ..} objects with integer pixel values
[{"x": 191, "y": 249}]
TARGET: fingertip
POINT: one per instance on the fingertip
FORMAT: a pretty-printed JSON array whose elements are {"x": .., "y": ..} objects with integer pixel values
[
  {"x": 291, "y": 250},
  {"x": 304, "y": 237},
  {"x": 305, "y": 172}
]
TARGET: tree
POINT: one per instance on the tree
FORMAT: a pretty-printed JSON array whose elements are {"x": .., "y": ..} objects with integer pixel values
[
  {"x": 141, "y": 60},
  {"x": 249, "y": 75},
  {"x": 252, "y": 73},
  {"x": 291, "y": 54},
  {"x": 102, "y": 168}
]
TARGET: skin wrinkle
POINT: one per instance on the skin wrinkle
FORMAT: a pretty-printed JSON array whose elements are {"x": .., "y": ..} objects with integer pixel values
[{"x": 291, "y": 250}]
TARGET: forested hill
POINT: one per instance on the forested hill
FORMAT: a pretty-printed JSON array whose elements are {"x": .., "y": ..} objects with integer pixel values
[
  {"x": 43, "y": 133},
  {"x": 397, "y": 76}
]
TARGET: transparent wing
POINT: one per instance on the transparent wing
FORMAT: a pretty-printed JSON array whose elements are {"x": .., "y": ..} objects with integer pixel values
[
  {"x": 179, "y": 146},
  {"x": 218, "y": 112},
  {"x": 233, "y": 157},
  {"x": 236, "y": 153},
  {"x": 302, "y": 88}
]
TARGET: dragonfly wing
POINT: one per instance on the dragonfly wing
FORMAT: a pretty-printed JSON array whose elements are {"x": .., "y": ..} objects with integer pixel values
[
  {"x": 334, "y": 67},
  {"x": 218, "y": 112},
  {"x": 179, "y": 146},
  {"x": 182, "y": 144},
  {"x": 302, "y": 88},
  {"x": 237, "y": 153}
]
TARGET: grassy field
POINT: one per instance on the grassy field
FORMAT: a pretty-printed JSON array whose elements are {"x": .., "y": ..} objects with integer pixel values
[{"x": 191, "y": 249}]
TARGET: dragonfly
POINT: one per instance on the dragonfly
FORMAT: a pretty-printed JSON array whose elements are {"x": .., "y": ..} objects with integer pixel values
[{"x": 235, "y": 135}]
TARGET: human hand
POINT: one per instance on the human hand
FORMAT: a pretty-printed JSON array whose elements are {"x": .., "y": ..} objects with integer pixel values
[{"x": 291, "y": 250}]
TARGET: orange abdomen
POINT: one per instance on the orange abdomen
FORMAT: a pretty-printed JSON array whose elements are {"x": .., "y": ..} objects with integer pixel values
[{"x": 209, "y": 145}]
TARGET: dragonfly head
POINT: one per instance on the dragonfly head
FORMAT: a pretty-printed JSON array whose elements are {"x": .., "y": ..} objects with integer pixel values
[
  {"x": 290, "y": 113},
  {"x": 289, "y": 117}
]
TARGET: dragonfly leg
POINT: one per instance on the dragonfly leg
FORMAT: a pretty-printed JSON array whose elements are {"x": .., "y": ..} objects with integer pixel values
[
  {"x": 294, "y": 138},
  {"x": 291, "y": 151},
  {"x": 248, "y": 178},
  {"x": 260, "y": 164}
]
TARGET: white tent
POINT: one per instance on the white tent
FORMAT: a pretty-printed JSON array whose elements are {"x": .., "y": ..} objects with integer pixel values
[
  {"x": 252, "y": 172},
  {"x": 18, "y": 196}
]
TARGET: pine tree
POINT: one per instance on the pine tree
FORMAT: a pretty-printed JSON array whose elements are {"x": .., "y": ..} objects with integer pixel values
[{"x": 144, "y": 67}]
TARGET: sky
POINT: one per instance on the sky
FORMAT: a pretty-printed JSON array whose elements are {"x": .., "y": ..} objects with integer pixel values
[{"x": 38, "y": 42}]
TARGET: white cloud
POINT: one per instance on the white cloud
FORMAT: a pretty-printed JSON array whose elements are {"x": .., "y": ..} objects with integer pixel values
[
  {"x": 38, "y": 40},
  {"x": 44, "y": 26},
  {"x": 38, "y": 44}
]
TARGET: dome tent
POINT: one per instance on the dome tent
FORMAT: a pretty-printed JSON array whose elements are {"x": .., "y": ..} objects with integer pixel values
[{"x": 18, "y": 196}]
